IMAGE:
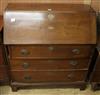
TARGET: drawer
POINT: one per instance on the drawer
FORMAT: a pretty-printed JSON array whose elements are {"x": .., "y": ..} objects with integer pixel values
[
  {"x": 3, "y": 73},
  {"x": 49, "y": 64},
  {"x": 49, "y": 76},
  {"x": 50, "y": 51},
  {"x": 96, "y": 76}
]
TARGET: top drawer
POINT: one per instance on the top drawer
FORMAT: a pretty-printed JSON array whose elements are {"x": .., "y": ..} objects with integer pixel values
[
  {"x": 27, "y": 27},
  {"x": 50, "y": 51}
]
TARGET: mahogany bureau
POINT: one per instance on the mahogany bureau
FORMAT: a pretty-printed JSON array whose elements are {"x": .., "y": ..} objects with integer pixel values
[{"x": 49, "y": 45}]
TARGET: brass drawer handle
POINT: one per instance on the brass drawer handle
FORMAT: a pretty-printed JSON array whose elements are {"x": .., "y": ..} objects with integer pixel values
[
  {"x": 24, "y": 52},
  {"x": 27, "y": 77},
  {"x": 76, "y": 51},
  {"x": 70, "y": 76},
  {"x": 51, "y": 48},
  {"x": 73, "y": 62},
  {"x": 26, "y": 65}
]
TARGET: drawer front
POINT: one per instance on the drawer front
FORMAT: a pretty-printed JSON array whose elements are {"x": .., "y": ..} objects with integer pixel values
[
  {"x": 37, "y": 28},
  {"x": 1, "y": 56},
  {"x": 3, "y": 73},
  {"x": 50, "y": 51},
  {"x": 49, "y": 64},
  {"x": 42, "y": 76}
]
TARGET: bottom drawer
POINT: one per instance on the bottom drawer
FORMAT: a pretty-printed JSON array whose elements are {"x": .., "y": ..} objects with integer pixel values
[
  {"x": 3, "y": 73},
  {"x": 48, "y": 76}
]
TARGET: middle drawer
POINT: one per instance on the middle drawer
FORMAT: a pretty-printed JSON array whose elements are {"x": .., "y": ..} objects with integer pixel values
[
  {"x": 50, "y": 51},
  {"x": 49, "y": 64}
]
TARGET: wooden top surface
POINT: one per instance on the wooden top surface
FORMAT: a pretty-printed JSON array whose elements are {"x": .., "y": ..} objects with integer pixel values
[
  {"x": 45, "y": 7},
  {"x": 1, "y": 22},
  {"x": 76, "y": 24}
]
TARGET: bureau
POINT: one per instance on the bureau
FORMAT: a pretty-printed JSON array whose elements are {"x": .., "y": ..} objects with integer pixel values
[{"x": 49, "y": 45}]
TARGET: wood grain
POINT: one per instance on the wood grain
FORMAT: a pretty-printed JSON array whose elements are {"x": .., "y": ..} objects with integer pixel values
[
  {"x": 67, "y": 22},
  {"x": 49, "y": 64},
  {"x": 50, "y": 51},
  {"x": 3, "y": 3},
  {"x": 49, "y": 76},
  {"x": 46, "y": 1},
  {"x": 48, "y": 72}
]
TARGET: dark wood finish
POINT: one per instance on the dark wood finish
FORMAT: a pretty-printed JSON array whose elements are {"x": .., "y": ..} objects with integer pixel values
[
  {"x": 48, "y": 76},
  {"x": 53, "y": 24},
  {"x": 16, "y": 86},
  {"x": 49, "y": 64},
  {"x": 50, "y": 51},
  {"x": 45, "y": 6},
  {"x": 49, "y": 44}
]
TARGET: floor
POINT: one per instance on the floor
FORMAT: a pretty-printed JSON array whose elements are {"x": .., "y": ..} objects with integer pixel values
[{"x": 6, "y": 90}]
